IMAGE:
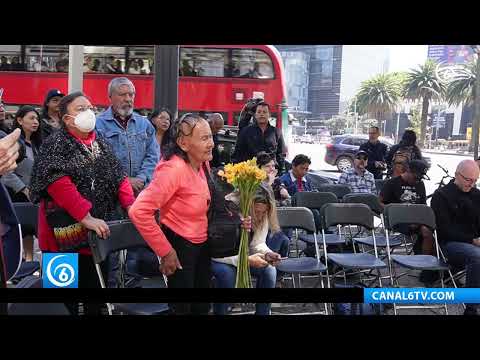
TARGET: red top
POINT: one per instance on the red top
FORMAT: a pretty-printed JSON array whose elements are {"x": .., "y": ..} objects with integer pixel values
[
  {"x": 182, "y": 196},
  {"x": 65, "y": 194}
]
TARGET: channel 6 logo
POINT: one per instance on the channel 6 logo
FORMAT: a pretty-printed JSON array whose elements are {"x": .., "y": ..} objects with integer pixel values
[{"x": 60, "y": 270}]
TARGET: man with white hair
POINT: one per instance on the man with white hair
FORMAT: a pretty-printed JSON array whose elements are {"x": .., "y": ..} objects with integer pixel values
[
  {"x": 132, "y": 137},
  {"x": 457, "y": 215}
]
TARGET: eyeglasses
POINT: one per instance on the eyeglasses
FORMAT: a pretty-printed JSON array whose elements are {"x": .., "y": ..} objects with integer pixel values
[
  {"x": 469, "y": 180},
  {"x": 364, "y": 158}
]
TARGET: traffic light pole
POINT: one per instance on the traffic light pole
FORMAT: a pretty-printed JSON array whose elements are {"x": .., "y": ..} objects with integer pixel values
[{"x": 166, "y": 77}]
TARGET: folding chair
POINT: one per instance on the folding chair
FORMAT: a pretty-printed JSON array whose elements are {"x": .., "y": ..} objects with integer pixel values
[
  {"x": 315, "y": 201},
  {"x": 340, "y": 190},
  {"x": 373, "y": 202},
  {"x": 414, "y": 214},
  {"x": 350, "y": 214},
  {"x": 123, "y": 236},
  {"x": 301, "y": 218},
  {"x": 27, "y": 215}
]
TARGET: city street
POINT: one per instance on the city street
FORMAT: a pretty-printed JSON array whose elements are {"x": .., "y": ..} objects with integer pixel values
[{"x": 317, "y": 153}]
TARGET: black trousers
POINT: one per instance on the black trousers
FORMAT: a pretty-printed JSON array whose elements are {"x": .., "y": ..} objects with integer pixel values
[
  {"x": 88, "y": 279},
  {"x": 196, "y": 272}
]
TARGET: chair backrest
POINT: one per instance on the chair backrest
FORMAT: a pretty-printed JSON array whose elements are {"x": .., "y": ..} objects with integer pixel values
[
  {"x": 347, "y": 214},
  {"x": 296, "y": 217},
  {"x": 313, "y": 200},
  {"x": 419, "y": 214},
  {"x": 338, "y": 189},
  {"x": 27, "y": 213},
  {"x": 379, "y": 184},
  {"x": 371, "y": 200},
  {"x": 123, "y": 236}
]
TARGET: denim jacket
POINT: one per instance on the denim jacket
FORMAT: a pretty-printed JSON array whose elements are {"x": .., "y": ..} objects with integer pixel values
[{"x": 136, "y": 148}]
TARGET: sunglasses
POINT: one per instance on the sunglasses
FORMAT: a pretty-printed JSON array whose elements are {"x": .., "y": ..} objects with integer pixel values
[{"x": 362, "y": 158}]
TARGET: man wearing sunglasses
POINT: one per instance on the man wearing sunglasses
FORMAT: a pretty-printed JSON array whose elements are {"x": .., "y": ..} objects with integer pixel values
[
  {"x": 376, "y": 152},
  {"x": 457, "y": 215},
  {"x": 359, "y": 178}
]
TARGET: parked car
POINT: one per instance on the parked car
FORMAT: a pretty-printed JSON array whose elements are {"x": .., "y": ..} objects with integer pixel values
[{"x": 340, "y": 152}]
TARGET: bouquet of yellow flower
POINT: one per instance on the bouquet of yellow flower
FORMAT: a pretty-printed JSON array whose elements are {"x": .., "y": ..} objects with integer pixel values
[{"x": 246, "y": 178}]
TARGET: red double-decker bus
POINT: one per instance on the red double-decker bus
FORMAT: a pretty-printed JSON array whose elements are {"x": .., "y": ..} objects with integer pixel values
[{"x": 213, "y": 78}]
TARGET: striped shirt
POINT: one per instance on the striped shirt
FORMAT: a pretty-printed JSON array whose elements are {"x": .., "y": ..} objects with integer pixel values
[{"x": 359, "y": 183}]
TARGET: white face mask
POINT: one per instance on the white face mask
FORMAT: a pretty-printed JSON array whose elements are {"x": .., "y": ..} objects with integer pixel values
[{"x": 85, "y": 120}]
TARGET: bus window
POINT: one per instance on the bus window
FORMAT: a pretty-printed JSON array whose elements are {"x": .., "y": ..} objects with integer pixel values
[
  {"x": 10, "y": 58},
  {"x": 104, "y": 59},
  {"x": 46, "y": 58},
  {"x": 140, "y": 60},
  {"x": 202, "y": 62},
  {"x": 251, "y": 63}
]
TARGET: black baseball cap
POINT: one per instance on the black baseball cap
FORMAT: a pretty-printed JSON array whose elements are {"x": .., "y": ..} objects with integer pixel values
[
  {"x": 361, "y": 153},
  {"x": 52, "y": 93}
]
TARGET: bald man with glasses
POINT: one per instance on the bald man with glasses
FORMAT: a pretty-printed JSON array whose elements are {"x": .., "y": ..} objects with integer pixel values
[{"x": 457, "y": 215}]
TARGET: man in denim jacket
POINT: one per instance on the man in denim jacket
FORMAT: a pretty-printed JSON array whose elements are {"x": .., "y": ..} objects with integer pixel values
[
  {"x": 131, "y": 135},
  {"x": 132, "y": 138}
]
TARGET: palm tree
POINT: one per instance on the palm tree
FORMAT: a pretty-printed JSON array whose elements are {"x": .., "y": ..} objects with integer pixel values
[
  {"x": 379, "y": 95},
  {"x": 461, "y": 87},
  {"x": 423, "y": 83}
]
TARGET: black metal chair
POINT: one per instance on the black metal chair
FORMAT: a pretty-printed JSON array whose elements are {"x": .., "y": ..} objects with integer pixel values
[
  {"x": 301, "y": 218},
  {"x": 373, "y": 202},
  {"x": 27, "y": 215},
  {"x": 340, "y": 190},
  {"x": 414, "y": 214},
  {"x": 123, "y": 236},
  {"x": 346, "y": 215},
  {"x": 314, "y": 201}
]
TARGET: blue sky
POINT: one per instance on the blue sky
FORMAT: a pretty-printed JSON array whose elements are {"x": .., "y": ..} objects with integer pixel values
[{"x": 404, "y": 57}]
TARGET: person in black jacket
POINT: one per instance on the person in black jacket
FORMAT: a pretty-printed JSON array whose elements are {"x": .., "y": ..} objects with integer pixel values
[
  {"x": 376, "y": 153},
  {"x": 216, "y": 124},
  {"x": 260, "y": 136},
  {"x": 457, "y": 216}
]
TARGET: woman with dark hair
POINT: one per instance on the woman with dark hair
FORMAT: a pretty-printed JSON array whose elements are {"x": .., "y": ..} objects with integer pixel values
[
  {"x": 51, "y": 113},
  {"x": 18, "y": 181},
  {"x": 162, "y": 121},
  {"x": 78, "y": 182},
  {"x": 401, "y": 153}
]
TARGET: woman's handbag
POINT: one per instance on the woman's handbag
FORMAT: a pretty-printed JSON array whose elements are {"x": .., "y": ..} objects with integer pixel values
[
  {"x": 69, "y": 234},
  {"x": 223, "y": 219}
]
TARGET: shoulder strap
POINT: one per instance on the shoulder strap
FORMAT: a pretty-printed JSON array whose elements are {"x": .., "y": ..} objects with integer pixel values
[{"x": 211, "y": 188}]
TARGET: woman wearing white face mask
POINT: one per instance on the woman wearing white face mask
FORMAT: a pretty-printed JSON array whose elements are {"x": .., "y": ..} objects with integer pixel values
[{"x": 78, "y": 182}]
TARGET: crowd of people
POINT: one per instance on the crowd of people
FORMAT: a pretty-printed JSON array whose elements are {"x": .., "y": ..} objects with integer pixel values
[{"x": 85, "y": 169}]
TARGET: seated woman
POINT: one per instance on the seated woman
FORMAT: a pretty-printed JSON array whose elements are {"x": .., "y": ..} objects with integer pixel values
[
  {"x": 278, "y": 241},
  {"x": 262, "y": 259}
]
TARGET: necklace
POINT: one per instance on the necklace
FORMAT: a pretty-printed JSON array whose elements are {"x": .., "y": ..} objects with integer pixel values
[{"x": 92, "y": 153}]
